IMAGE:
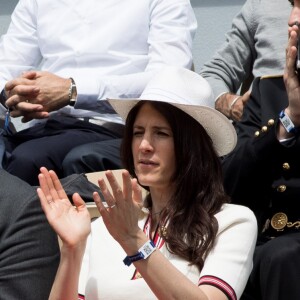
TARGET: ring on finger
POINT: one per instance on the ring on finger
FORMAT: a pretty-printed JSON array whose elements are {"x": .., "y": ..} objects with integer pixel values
[{"x": 114, "y": 205}]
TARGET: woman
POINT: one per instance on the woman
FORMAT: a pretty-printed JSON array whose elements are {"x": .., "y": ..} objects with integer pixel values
[{"x": 184, "y": 241}]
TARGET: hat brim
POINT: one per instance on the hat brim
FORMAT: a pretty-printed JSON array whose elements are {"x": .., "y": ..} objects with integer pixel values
[{"x": 218, "y": 127}]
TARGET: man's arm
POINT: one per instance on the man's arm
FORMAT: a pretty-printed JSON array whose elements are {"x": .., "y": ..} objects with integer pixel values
[
  {"x": 233, "y": 61},
  {"x": 19, "y": 48}
]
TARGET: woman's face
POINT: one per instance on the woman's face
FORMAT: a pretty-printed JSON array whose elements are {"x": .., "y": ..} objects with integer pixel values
[{"x": 153, "y": 148}]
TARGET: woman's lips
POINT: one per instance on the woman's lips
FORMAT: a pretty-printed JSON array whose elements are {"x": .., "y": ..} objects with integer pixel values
[{"x": 146, "y": 163}]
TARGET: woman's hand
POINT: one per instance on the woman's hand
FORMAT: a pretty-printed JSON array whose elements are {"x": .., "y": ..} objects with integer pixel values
[
  {"x": 124, "y": 207},
  {"x": 71, "y": 222}
]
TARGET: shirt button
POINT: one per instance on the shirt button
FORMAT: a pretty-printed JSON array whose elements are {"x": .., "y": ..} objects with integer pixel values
[
  {"x": 286, "y": 166},
  {"x": 281, "y": 188}
]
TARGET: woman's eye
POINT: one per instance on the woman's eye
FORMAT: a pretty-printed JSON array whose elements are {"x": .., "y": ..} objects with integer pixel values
[
  {"x": 137, "y": 133},
  {"x": 162, "y": 133}
]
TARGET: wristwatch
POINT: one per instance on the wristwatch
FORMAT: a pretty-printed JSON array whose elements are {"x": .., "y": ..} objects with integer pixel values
[{"x": 72, "y": 93}]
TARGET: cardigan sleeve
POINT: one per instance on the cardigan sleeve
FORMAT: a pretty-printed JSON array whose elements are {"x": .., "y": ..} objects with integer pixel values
[{"x": 229, "y": 264}]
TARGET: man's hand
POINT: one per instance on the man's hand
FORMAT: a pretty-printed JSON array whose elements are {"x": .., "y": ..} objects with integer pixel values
[
  {"x": 232, "y": 105},
  {"x": 292, "y": 83},
  {"x": 36, "y": 93}
]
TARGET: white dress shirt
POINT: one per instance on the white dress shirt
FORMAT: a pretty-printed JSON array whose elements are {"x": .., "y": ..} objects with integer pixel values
[{"x": 111, "y": 48}]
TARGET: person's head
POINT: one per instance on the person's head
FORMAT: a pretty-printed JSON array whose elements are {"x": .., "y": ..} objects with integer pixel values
[
  {"x": 173, "y": 137},
  {"x": 184, "y": 100},
  {"x": 163, "y": 146}
]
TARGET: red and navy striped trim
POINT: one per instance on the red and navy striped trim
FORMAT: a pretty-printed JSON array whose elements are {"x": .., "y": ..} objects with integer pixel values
[
  {"x": 220, "y": 284},
  {"x": 157, "y": 240}
]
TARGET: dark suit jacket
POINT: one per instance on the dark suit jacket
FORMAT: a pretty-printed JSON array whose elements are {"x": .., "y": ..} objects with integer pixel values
[
  {"x": 29, "y": 251},
  {"x": 261, "y": 172}
]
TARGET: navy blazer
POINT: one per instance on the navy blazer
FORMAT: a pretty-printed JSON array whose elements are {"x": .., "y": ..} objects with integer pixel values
[{"x": 261, "y": 172}]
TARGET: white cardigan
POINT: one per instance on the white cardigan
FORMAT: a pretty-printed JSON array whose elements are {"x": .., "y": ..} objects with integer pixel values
[{"x": 228, "y": 266}]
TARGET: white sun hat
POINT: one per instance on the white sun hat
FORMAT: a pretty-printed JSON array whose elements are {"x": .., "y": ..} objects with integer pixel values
[{"x": 191, "y": 93}]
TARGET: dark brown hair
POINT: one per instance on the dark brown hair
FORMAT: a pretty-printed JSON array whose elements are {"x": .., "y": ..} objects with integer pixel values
[{"x": 199, "y": 193}]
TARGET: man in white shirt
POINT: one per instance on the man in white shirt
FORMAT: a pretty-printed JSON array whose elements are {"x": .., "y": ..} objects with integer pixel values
[{"x": 59, "y": 61}]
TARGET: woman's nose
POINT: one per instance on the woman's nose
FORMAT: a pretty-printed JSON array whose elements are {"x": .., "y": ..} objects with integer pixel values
[{"x": 145, "y": 145}]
